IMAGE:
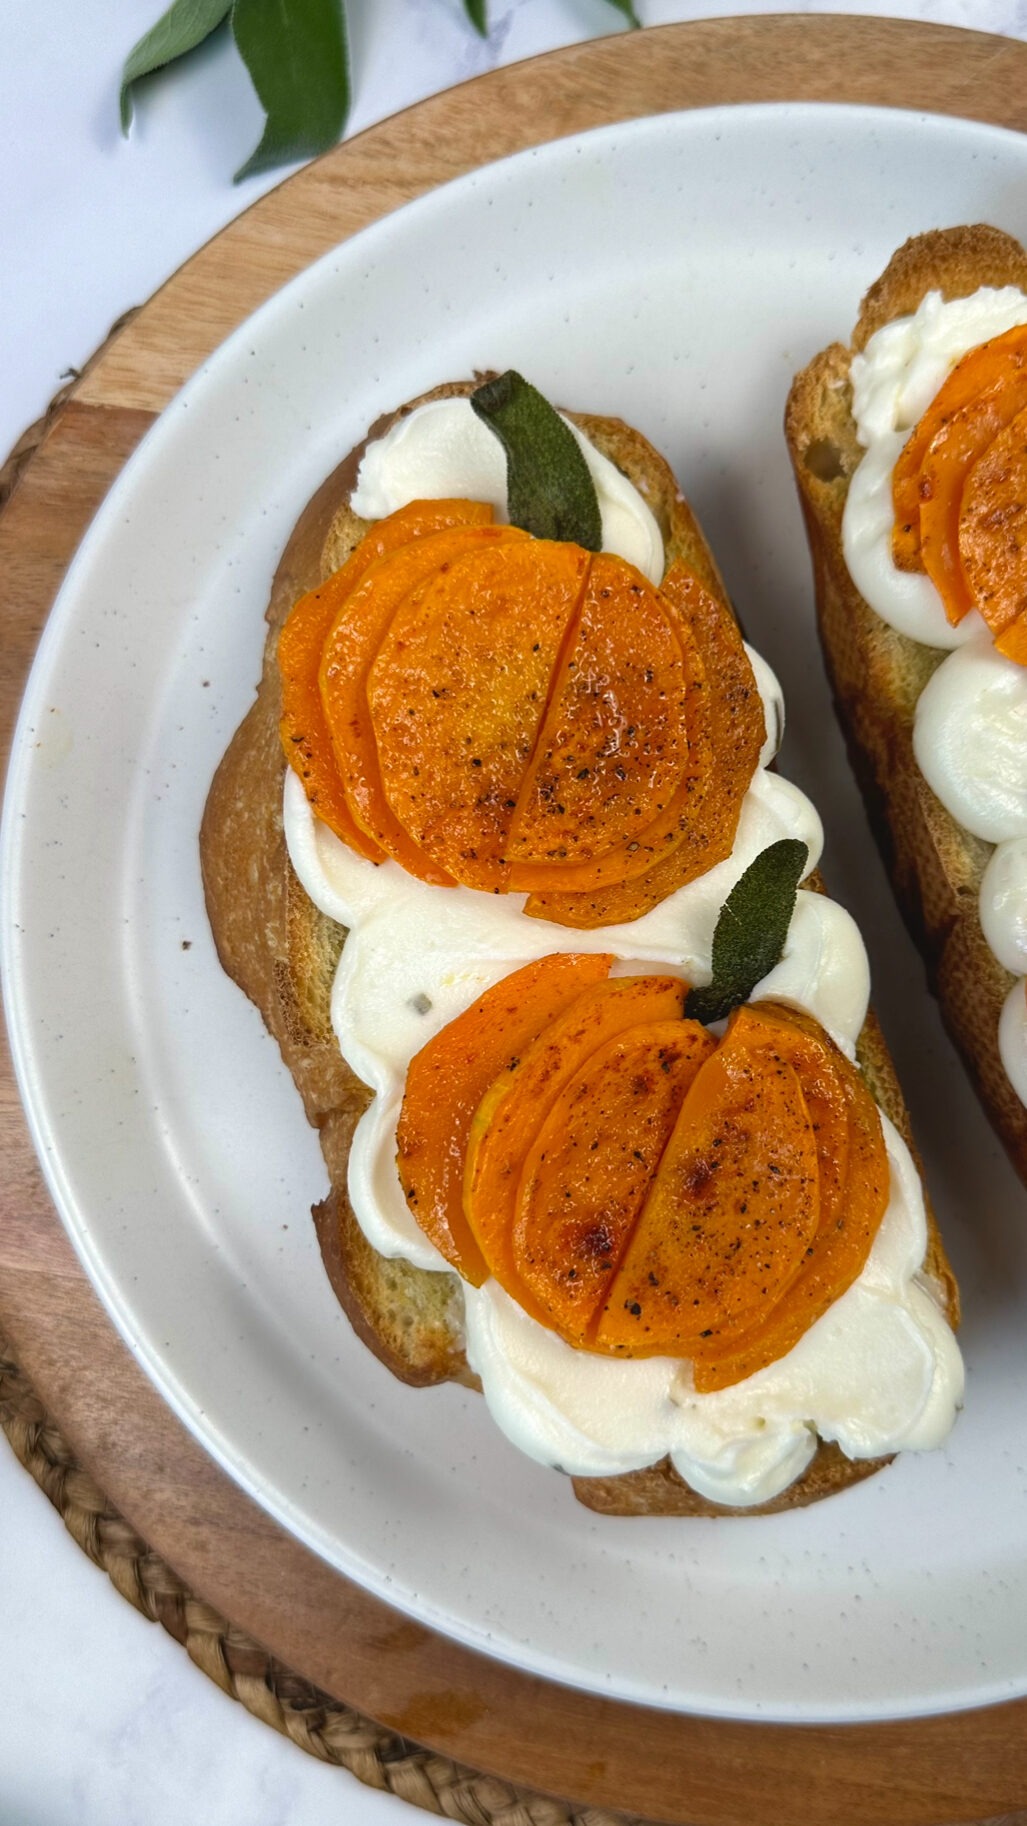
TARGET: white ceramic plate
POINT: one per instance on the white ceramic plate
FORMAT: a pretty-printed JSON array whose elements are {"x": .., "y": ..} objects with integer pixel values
[{"x": 676, "y": 271}]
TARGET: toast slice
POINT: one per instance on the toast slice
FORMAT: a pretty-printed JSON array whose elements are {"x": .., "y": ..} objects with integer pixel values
[
  {"x": 282, "y": 951},
  {"x": 877, "y": 674}
]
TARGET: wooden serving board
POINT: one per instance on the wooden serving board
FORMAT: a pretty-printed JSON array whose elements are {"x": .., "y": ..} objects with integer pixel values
[{"x": 591, "y": 1750}]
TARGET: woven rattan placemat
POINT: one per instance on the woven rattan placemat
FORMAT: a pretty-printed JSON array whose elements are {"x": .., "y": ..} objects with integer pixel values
[{"x": 321, "y": 1726}]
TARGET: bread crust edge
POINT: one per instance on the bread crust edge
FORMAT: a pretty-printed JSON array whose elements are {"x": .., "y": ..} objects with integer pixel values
[{"x": 877, "y": 674}]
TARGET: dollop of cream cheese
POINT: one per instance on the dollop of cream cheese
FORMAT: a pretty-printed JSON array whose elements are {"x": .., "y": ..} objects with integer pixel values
[
  {"x": 1003, "y": 909},
  {"x": 970, "y": 724},
  {"x": 970, "y": 740},
  {"x": 1003, "y": 904},
  {"x": 443, "y": 451},
  {"x": 1012, "y": 1037},
  {"x": 880, "y": 1371}
]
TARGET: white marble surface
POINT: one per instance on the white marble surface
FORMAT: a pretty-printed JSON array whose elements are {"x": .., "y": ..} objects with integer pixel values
[{"x": 103, "y": 1719}]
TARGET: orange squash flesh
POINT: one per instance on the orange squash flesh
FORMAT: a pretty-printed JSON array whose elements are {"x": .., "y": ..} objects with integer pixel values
[
  {"x": 952, "y": 456},
  {"x": 613, "y": 756},
  {"x": 731, "y": 1213},
  {"x": 457, "y": 694},
  {"x": 728, "y": 732},
  {"x": 1012, "y": 642},
  {"x": 992, "y": 527},
  {"x": 983, "y": 374},
  {"x": 517, "y": 1103},
  {"x": 447, "y": 1079},
  {"x": 589, "y": 1169},
  {"x": 348, "y": 654},
  {"x": 854, "y": 1189},
  {"x": 305, "y": 736}
]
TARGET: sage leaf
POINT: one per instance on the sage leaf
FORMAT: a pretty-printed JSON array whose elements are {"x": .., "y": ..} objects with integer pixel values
[
  {"x": 477, "y": 13},
  {"x": 550, "y": 491},
  {"x": 751, "y": 929},
  {"x": 298, "y": 59},
  {"x": 626, "y": 7},
  {"x": 185, "y": 25}
]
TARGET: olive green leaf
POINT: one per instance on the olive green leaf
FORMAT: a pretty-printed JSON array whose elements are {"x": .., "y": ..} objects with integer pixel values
[
  {"x": 751, "y": 929},
  {"x": 185, "y": 25},
  {"x": 297, "y": 56},
  {"x": 549, "y": 489}
]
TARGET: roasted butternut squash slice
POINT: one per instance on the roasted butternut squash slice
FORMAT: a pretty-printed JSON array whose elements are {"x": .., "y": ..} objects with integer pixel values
[
  {"x": 992, "y": 529},
  {"x": 854, "y": 1189},
  {"x": 305, "y": 735},
  {"x": 587, "y": 1174},
  {"x": 448, "y": 1078},
  {"x": 727, "y": 732},
  {"x": 517, "y": 1103},
  {"x": 617, "y": 756},
  {"x": 457, "y": 694},
  {"x": 348, "y": 653},
  {"x": 732, "y": 1211},
  {"x": 993, "y": 371}
]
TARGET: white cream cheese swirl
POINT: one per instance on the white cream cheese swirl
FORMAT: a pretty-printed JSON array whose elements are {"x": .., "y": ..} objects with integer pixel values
[
  {"x": 970, "y": 725},
  {"x": 1003, "y": 903},
  {"x": 442, "y": 451},
  {"x": 879, "y": 1372}
]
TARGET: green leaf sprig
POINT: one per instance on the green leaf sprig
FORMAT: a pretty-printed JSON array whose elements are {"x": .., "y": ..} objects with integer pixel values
[
  {"x": 751, "y": 930},
  {"x": 297, "y": 56},
  {"x": 549, "y": 489},
  {"x": 300, "y": 73},
  {"x": 185, "y": 25}
]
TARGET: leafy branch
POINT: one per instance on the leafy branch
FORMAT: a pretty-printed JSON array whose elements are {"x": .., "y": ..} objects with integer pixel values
[{"x": 297, "y": 55}]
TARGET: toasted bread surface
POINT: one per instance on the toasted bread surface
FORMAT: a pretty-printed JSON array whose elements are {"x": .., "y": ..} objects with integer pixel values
[
  {"x": 877, "y": 674},
  {"x": 283, "y": 952}
]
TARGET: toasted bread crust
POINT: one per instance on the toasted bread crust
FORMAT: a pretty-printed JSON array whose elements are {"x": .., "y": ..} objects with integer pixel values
[
  {"x": 658, "y": 1490},
  {"x": 282, "y": 952},
  {"x": 878, "y": 674}
]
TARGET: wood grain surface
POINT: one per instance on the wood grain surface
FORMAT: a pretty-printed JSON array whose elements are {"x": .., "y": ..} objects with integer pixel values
[{"x": 666, "y": 1767}]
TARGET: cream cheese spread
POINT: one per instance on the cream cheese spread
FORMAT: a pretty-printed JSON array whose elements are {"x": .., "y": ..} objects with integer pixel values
[
  {"x": 443, "y": 451},
  {"x": 970, "y": 725},
  {"x": 970, "y": 740},
  {"x": 879, "y": 1372},
  {"x": 1012, "y": 1038},
  {"x": 1003, "y": 910}
]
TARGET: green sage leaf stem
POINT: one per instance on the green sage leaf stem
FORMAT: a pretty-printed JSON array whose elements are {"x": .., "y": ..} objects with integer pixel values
[
  {"x": 550, "y": 491},
  {"x": 751, "y": 929}
]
